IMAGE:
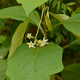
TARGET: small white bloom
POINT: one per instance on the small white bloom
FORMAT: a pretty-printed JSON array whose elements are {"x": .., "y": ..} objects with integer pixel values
[
  {"x": 31, "y": 44},
  {"x": 40, "y": 43},
  {"x": 45, "y": 40},
  {"x": 29, "y": 35}
]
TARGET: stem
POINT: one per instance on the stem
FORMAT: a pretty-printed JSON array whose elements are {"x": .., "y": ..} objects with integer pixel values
[
  {"x": 58, "y": 77},
  {"x": 38, "y": 18},
  {"x": 25, "y": 36},
  {"x": 66, "y": 46},
  {"x": 45, "y": 22},
  {"x": 27, "y": 31},
  {"x": 39, "y": 24}
]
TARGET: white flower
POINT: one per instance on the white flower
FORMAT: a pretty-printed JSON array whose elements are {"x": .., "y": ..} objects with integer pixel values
[
  {"x": 29, "y": 35},
  {"x": 40, "y": 43},
  {"x": 31, "y": 44},
  {"x": 45, "y": 41}
]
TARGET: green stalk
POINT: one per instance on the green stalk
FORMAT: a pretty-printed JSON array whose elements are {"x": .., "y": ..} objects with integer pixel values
[
  {"x": 66, "y": 46},
  {"x": 58, "y": 77},
  {"x": 45, "y": 22},
  {"x": 39, "y": 24}
]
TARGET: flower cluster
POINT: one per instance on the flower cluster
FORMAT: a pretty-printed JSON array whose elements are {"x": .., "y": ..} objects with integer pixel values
[{"x": 39, "y": 43}]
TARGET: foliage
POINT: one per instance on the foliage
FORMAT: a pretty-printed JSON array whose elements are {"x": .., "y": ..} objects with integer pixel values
[
  {"x": 70, "y": 70},
  {"x": 24, "y": 55},
  {"x": 36, "y": 63}
]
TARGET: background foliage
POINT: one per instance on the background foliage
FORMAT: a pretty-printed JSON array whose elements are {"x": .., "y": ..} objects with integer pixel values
[{"x": 59, "y": 60}]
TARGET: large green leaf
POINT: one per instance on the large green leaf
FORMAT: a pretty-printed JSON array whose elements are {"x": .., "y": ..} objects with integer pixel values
[
  {"x": 3, "y": 67},
  {"x": 18, "y": 13},
  {"x": 73, "y": 24},
  {"x": 18, "y": 37},
  {"x": 29, "y": 5},
  {"x": 35, "y": 63},
  {"x": 71, "y": 72}
]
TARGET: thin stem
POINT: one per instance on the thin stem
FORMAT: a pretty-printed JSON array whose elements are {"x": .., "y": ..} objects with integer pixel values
[
  {"x": 39, "y": 24},
  {"x": 66, "y": 46},
  {"x": 45, "y": 22},
  {"x": 25, "y": 36},
  {"x": 38, "y": 18},
  {"x": 58, "y": 77},
  {"x": 27, "y": 31}
]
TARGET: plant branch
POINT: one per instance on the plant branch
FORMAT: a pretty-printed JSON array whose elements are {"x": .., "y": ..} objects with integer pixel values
[
  {"x": 59, "y": 78},
  {"x": 39, "y": 23},
  {"x": 45, "y": 22},
  {"x": 66, "y": 46}
]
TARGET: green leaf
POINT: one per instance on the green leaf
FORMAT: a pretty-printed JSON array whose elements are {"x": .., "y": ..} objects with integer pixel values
[
  {"x": 75, "y": 45},
  {"x": 73, "y": 24},
  {"x": 2, "y": 38},
  {"x": 29, "y": 5},
  {"x": 70, "y": 3},
  {"x": 18, "y": 37},
  {"x": 63, "y": 6},
  {"x": 3, "y": 52},
  {"x": 18, "y": 13},
  {"x": 14, "y": 26},
  {"x": 58, "y": 6},
  {"x": 35, "y": 63},
  {"x": 54, "y": 3},
  {"x": 73, "y": 13},
  {"x": 60, "y": 17},
  {"x": 48, "y": 23},
  {"x": 71, "y": 72},
  {"x": 68, "y": 8},
  {"x": 3, "y": 66}
]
